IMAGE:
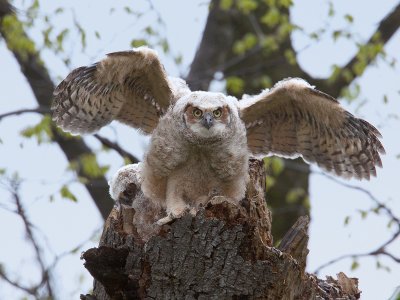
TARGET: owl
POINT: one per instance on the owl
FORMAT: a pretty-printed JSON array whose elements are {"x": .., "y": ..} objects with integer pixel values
[{"x": 201, "y": 141}]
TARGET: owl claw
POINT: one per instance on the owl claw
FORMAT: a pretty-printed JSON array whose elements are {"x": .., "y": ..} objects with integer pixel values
[
  {"x": 175, "y": 215},
  {"x": 165, "y": 220}
]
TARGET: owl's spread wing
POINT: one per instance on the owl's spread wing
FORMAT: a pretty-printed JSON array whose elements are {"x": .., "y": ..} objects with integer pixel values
[
  {"x": 293, "y": 119},
  {"x": 129, "y": 86}
]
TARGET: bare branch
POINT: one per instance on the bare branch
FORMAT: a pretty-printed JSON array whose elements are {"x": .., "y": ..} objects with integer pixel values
[
  {"x": 46, "y": 279},
  {"x": 106, "y": 142},
  {"x": 30, "y": 291},
  {"x": 381, "y": 250},
  {"x": 39, "y": 110},
  {"x": 380, "y": 205}
]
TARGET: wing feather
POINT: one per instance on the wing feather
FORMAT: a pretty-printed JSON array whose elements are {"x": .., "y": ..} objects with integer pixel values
[
  {"x": 131, "y": 87},
  {"x": 293, "y": 119}
]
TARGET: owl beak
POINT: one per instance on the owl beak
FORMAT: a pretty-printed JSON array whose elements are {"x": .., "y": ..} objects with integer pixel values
[{"x": 208, "y": 120}]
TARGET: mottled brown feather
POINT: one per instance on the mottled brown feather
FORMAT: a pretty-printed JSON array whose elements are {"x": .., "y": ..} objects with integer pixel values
[
  {"x": 129, "y": 86},
  {"x": 293, "y": 119}
]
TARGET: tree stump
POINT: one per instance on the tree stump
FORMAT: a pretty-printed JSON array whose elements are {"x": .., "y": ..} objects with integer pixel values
[{"x": 225, "y": 251}]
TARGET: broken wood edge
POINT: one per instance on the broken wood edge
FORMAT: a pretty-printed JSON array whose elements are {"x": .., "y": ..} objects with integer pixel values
[{"x": 108, "y": 265}]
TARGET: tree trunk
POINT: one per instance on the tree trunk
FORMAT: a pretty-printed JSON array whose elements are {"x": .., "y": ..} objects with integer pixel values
[{"x": 225, "y": 251}]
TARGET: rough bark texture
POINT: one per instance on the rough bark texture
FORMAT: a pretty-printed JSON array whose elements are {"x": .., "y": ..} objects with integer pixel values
[{"x": 223, "y": 252}]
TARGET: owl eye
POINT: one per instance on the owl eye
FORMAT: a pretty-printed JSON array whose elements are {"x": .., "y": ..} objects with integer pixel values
[
  {"x": 197, "y": 113},
  {"x": 217, "y": 113}
]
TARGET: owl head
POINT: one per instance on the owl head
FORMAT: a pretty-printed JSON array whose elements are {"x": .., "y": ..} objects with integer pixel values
[{"x": 207, "y": 115}]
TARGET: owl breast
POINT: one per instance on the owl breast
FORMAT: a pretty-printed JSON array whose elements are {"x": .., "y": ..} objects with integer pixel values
[
  {"x": 208, "y": 173},
  {"x": 183, "y": 168}
]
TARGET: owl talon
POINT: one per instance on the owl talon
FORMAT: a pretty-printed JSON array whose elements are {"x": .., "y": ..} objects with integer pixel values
[
  {"x": 165, "y": 220},
  {"x": 174, "y": 215}
]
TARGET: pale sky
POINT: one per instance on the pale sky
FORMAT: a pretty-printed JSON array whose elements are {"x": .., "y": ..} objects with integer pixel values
[{"x": 66, "y": 224}]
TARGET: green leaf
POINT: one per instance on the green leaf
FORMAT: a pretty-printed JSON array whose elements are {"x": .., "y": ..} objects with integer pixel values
[
  {"x": 235, "y": 85},
  {"x": 59, "y": 10},
  {"x": 66, "y": 193},
  {"x": 164, "y": 45},
  {"x": 150, "y": 31},
  {"x": 363, "y": 213},
  {"x": 178, "y": 59},
  {"x": 60, "y": 39},
  {"x": 347, "y": 75},
  {"x": 272, "y": 17},
  {"x": 41, "y": 131},
  {"x": 385, "y": 99},
  {"x": 270, "y": 43},
  {"x": 337, "y": 34},
  {"x": 247, "y": 42},
  {"x": 90, "y": 166},
  {"x": 349, "y": 18},
  {"x": 138, "y": 43},
  {"x": 127, "y": 9},
  {"x": 285, "y": 3},
  {"x": 294, "y": 195},
  {"x": 269, "y": 182},
  {"x": 127, "y": 161},
  {"x": 15, "y": 35},
  {"x": 246, "y": 6},
  {"x": 290, "y": 57},
  {"x": 225, "y": 4},
  {"x": 331, "y": 11},
  {"x": 347, "y": 220},
  {"x": 82, "y": 34},
  {"x": 379, "y": 265},
  {"x": 265, "y": 81},
  {"x": 46, "y": 36},
  {"x": 97, "y": 35},
  {"x": 354, "y": 265},
  {"x": 277, "y": 165},
  {"x": 390, "y": 223}
]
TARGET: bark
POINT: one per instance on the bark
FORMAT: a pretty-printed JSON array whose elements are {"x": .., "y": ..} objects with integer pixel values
[{"x": 225, "y": 251}]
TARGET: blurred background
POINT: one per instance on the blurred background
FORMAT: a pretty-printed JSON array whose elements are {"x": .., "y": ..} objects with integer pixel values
[{"x": 53, "y": 187}]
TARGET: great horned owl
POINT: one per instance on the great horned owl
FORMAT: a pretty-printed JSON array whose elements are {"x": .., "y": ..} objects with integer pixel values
[{"x": 201, "y": 141}]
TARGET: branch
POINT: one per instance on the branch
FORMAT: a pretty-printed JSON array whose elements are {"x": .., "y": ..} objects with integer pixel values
[
  {"x": 386, "y": 29},
  {"x": 42, "y": 86},
  {"x": 106, "y": 142},
  {"x": 380, "y": 205},
  {"x": 39, "y": 110},
  {"x": 381, "y": 250},
  {"x": 30, "y": 291},
  {"x": 212, "y": 52},
  {"x": 20, "y": 211}
]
